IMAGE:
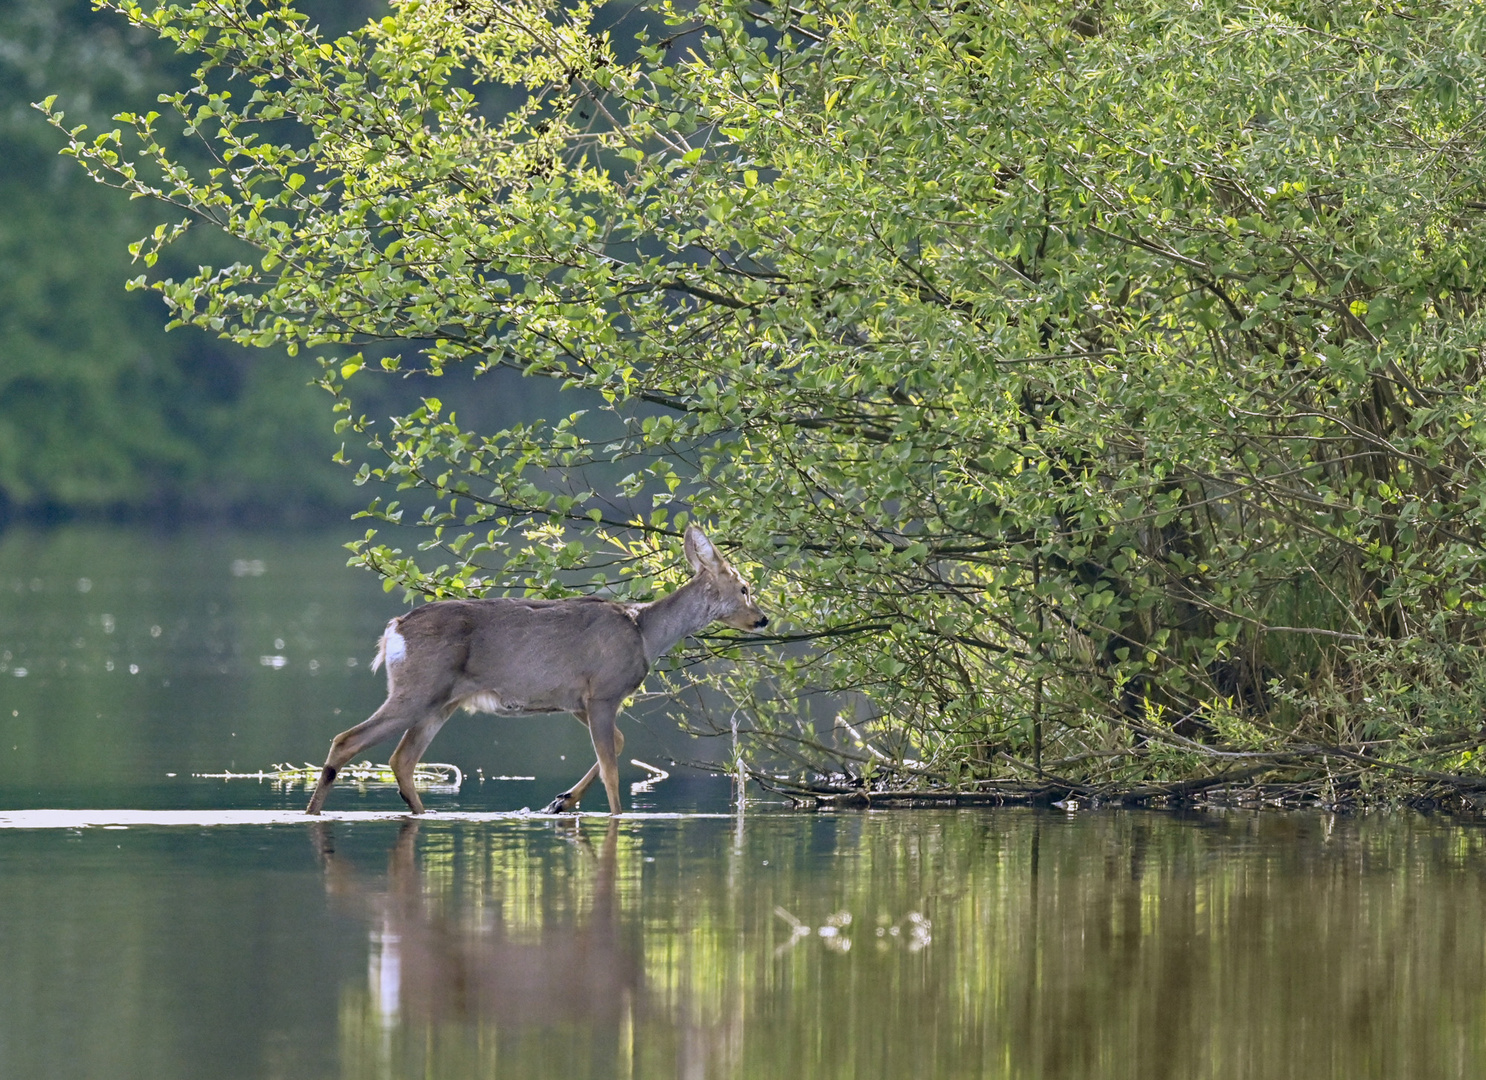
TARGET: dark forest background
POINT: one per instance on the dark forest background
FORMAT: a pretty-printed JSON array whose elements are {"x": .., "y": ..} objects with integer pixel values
[{"x": 103, "y": 414}]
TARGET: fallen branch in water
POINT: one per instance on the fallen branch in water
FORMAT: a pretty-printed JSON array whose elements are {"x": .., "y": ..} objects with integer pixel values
[
  {"x": 1253, "y": 785},
  {"x": 432, "y": 776},
  {"x": 656, "y": 775}
]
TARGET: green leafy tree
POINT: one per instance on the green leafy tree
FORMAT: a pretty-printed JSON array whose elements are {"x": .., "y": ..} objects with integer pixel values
[{"x": 1095, "y": 395}]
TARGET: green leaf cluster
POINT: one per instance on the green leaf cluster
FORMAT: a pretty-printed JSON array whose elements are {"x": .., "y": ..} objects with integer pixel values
[{"x": 1095, "y": 396}]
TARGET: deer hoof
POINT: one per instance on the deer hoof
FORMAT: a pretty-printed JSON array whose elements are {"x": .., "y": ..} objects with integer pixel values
[{"x": 563, "y": 804}]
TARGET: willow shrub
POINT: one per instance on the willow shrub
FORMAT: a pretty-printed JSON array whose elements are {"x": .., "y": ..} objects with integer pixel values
[{"x": 1095, "y": 397}]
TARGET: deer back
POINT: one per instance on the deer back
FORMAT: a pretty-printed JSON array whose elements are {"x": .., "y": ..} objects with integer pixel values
[{"x": 514, "y": 655}]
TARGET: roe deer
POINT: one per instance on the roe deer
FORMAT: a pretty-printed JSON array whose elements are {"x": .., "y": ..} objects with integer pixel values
[{"x": 582, "y": 656}]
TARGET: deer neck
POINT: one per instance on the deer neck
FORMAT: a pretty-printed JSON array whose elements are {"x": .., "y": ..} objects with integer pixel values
[{"x": 666, "y": 621}]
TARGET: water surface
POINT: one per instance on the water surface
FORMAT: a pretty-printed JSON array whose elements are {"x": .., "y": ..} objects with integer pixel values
[
  {"x": 157, "y": 926},
  {"x": 1011, "y": 943}
]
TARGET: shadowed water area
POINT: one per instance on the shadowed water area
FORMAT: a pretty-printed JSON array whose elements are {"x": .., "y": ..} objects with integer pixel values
[{"x": 210, "y": 932}]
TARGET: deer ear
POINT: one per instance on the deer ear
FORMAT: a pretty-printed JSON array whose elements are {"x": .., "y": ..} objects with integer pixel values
[{"x": 699, "y": 550}]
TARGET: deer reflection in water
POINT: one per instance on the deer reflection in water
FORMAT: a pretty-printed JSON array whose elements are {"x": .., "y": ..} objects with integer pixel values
[{"x": 427, "y": 965}]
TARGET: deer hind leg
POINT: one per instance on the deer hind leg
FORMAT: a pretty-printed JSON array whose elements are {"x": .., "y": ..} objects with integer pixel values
[
  {"x": 393, "y": 718},
  {"x": 410, "y": 751},
  {"x": 570, "y": 798}
]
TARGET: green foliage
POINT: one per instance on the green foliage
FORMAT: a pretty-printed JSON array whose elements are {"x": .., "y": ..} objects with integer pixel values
[{"x": 1096, "y": 397}]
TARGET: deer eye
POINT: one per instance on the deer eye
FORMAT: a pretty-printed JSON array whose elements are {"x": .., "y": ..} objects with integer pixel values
[{"x": 745, "y": 591}]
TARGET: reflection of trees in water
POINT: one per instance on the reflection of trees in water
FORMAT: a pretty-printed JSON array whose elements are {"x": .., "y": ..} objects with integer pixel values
[{"x": 1028, "y": 944}]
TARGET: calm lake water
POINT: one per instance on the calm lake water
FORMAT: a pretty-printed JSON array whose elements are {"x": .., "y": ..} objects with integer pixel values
[{"x": 686, "y": 943}]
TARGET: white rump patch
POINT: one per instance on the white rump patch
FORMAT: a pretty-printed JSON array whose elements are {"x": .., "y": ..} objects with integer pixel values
[{"x": 392, "y": 648}]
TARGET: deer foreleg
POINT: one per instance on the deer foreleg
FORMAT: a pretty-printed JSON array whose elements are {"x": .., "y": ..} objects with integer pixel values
[
  {"x": 570, "y": 798},
  {"x": 604, "y": 731}
]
